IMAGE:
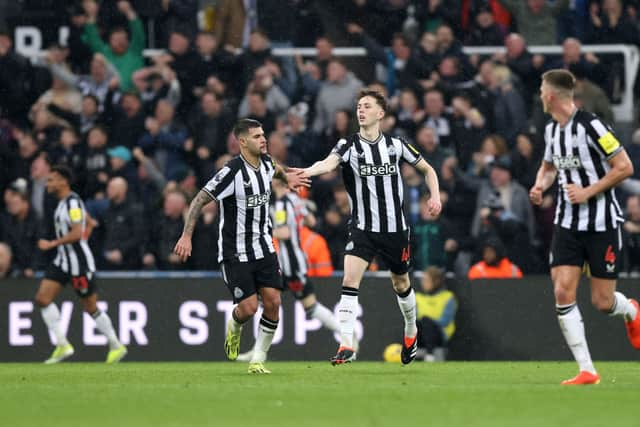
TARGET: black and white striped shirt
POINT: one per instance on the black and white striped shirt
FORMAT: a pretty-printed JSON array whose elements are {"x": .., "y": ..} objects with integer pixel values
[
  {"x": 580, "y": 151},
  {"x": 288, "y": 211},
  {"x": 243, "y": 193},
  {"x": 75, "y": 258},
  {"x": 371, "y": 173}
]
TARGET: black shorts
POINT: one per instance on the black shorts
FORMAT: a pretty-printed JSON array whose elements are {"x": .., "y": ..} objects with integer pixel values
[
  {"x": 83, "y": 284},
  {"x": 299, "y": 287},
  {"x": 600, "y": 250},
  {"x": 243, "y": 279},
  {"x": 392, "y": 248}
]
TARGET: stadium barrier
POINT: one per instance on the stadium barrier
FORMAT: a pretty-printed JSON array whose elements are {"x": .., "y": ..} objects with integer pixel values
[{"x": 183, "y": 319}]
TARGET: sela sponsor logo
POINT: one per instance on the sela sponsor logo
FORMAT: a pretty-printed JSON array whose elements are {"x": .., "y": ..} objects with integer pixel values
[
  {"x": 567, "y": 162},
  {"x": 257, "y": 200},
  {"x": 378, "y": 170}
]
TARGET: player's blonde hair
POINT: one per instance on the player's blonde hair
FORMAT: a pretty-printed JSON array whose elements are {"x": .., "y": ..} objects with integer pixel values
[{"x": 561, "y": 81}]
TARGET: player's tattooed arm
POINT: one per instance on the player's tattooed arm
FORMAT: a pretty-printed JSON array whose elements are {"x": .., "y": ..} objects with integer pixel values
[{"x": 201, "y": 199}]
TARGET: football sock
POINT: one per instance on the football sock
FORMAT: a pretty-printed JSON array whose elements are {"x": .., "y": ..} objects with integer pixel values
[
  {"x": 266, "y": 330},
  {"x": 347, "y": 315},
  {"x": 572, "y": 327},
  {"x": 103, "y": 323},
  {"x": 51, "y": 317},
  {"x": 235, "y": 324},
  {"x": 622, "y": 307},
  {"x": 324, "y": 315},
  {"x": 407, "y": 303}
]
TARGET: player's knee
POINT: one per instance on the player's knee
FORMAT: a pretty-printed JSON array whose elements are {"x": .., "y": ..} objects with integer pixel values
[
  {"x": 602, "y": 302},
  {"x": 272, "y": 302},
  {"x": 42, "y": 300},
  {"x": 564, "y": 294},
  {"x": 400, "y": 283}
]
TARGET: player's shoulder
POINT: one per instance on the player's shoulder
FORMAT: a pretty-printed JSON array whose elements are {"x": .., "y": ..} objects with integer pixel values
[
  {"x": 233, "y": 164},
  {"x": 73, "y": 197},
  {"x": 267, "y": 160},
  {"x": 585, "y": 118}
]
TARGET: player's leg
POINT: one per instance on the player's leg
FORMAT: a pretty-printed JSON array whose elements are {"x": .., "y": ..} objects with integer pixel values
[
  {"x": 407, "y": 302},
  {"x": 49, "y": 289},
  {"x": 565, "y": 284},
  {"x": 315, "y": 309},
  {"x": 268, "y": 281},
  {"x": 117, "y": 351},
  {"x": 238, "y": 277},
  {"x": 603, "y": 253},
  {"x": 266, "y": 329},
  {"x": 354, "y": 268}
]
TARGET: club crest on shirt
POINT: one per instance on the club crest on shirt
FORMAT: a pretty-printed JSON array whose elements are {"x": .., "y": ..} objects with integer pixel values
[{"x": 391, "y": 150}]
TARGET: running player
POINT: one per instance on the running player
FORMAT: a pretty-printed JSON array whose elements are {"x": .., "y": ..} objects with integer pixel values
[
  {"x": 588, "y": 160},
  {"x": 288, "y": 214},
  {"x": 370, "y": 164},
  {"x": 73, "y": 263},
  {"x": 245, "y": 247}
]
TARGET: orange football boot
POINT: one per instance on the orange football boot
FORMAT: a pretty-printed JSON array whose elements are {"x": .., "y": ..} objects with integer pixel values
[
  {"x": 633, "y": 326},
  {"x": 583, "y": 378}
]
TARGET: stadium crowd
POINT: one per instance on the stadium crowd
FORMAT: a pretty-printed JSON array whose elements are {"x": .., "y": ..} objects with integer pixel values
[{"x": 144, "y": 132}]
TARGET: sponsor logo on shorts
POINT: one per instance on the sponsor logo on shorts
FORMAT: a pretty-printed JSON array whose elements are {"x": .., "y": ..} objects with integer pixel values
[
  {"x": 349, "y": 246},
  {"x": 237, "y": 292}
]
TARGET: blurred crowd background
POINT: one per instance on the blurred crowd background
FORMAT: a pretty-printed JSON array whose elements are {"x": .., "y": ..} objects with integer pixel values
[{"x": 144, "y": 131}]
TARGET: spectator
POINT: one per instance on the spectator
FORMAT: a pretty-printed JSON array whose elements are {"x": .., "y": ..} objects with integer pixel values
[
  {"x": 27, "y": 151},
  {"x": 408, "y": 114},
  {"x": 214, "y": 63},
  {"x": 494, "y": 264},
  {"x": 609, "y": 24},
  {"x": 437, "y": 118},
  {"x": 429, "y": 146},
  {"x": 512, "y": 197},
  {"x": 592, "y": 98},
  {"x": 304, "y": 146},
  {"x": 337, "y": 92},
  {"x": 21, "y": 228},
  {"x": 56, "y": 108},
  {"x": 164, "y": 232},
  {"x": 96, "y": 163},
  {"x": 493, "y": 146},
  {"x": 16, "y": 81},
  {"x": 96, "y": 83},
  {"x": 631, "y": 229},
  {"x": 179, "y": 15},
  {"x": 525, "y": 159},
  {"x": 485, "y": 31},
  {"x": 510, "y": 110},
  {"x": 127, "y": 120},
  {"x": 436, "y": 312},
  {"x": 123, "y": 229},
  {"x": 536, "y": 19},
  {"x": 399, "y": 67},
  {"x": 234, "y": 23},
  {"x": 263, "y": 82},
  {"x": 41, "y": 200},
  {"x": 523, "y": 64},
  {"x": 586, "y": 65},
  {"x": 258, "y": 110},
  {"x": 124, "y": 55},
  {"x": 324, "y": 54},
  {"x": 428, "y": 237},
  {"x": 121, "y": 165},
  {"x": 6, "y": 261},
  {"x": 80, "y": 54},
  {"x": 449, "y": 46},
  {"x": 209, "y": 127},
  {"x": 254, "y": 56},
  {"x": 155, "y": 83},
  {"x": 66, "y": 150},
  {"x": 317, "y": 251},
  {"x": 467, "y": 127},
  {"x": 166, "y": 140}
]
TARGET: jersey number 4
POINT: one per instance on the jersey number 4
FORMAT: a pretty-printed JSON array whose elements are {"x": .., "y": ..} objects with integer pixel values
[{"x": 405, "y": 254}]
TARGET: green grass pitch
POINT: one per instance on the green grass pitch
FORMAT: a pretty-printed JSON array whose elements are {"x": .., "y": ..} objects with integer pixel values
[{"x": 305, "y": 394}]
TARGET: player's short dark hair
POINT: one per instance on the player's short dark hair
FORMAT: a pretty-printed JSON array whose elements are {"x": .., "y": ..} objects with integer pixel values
[
  {"x": 560, "y": 79},
  {"x": 380, "y": 99},
  {"x": 64, "y": 171},
  {"x": 242, "y": 126}
]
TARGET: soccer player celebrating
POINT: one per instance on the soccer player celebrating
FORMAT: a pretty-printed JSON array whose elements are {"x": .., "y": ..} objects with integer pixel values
[
  {"x": 370, "y": 164},
  {"x": 288, "y": 214},
  {"x": 73, "y": 263},
  {"x": 245, "y": 247},
  {"x": 585, "y": 156}
]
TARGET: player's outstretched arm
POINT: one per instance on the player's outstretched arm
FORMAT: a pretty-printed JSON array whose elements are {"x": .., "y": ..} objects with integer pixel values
[
  {"x": 293, "y": 177},
  {"x": 323, "y": 166},
  {"x": 431, "y": 178},
  {"x": 544, "y": 179},
  {"x": 183, "y": 246}
]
